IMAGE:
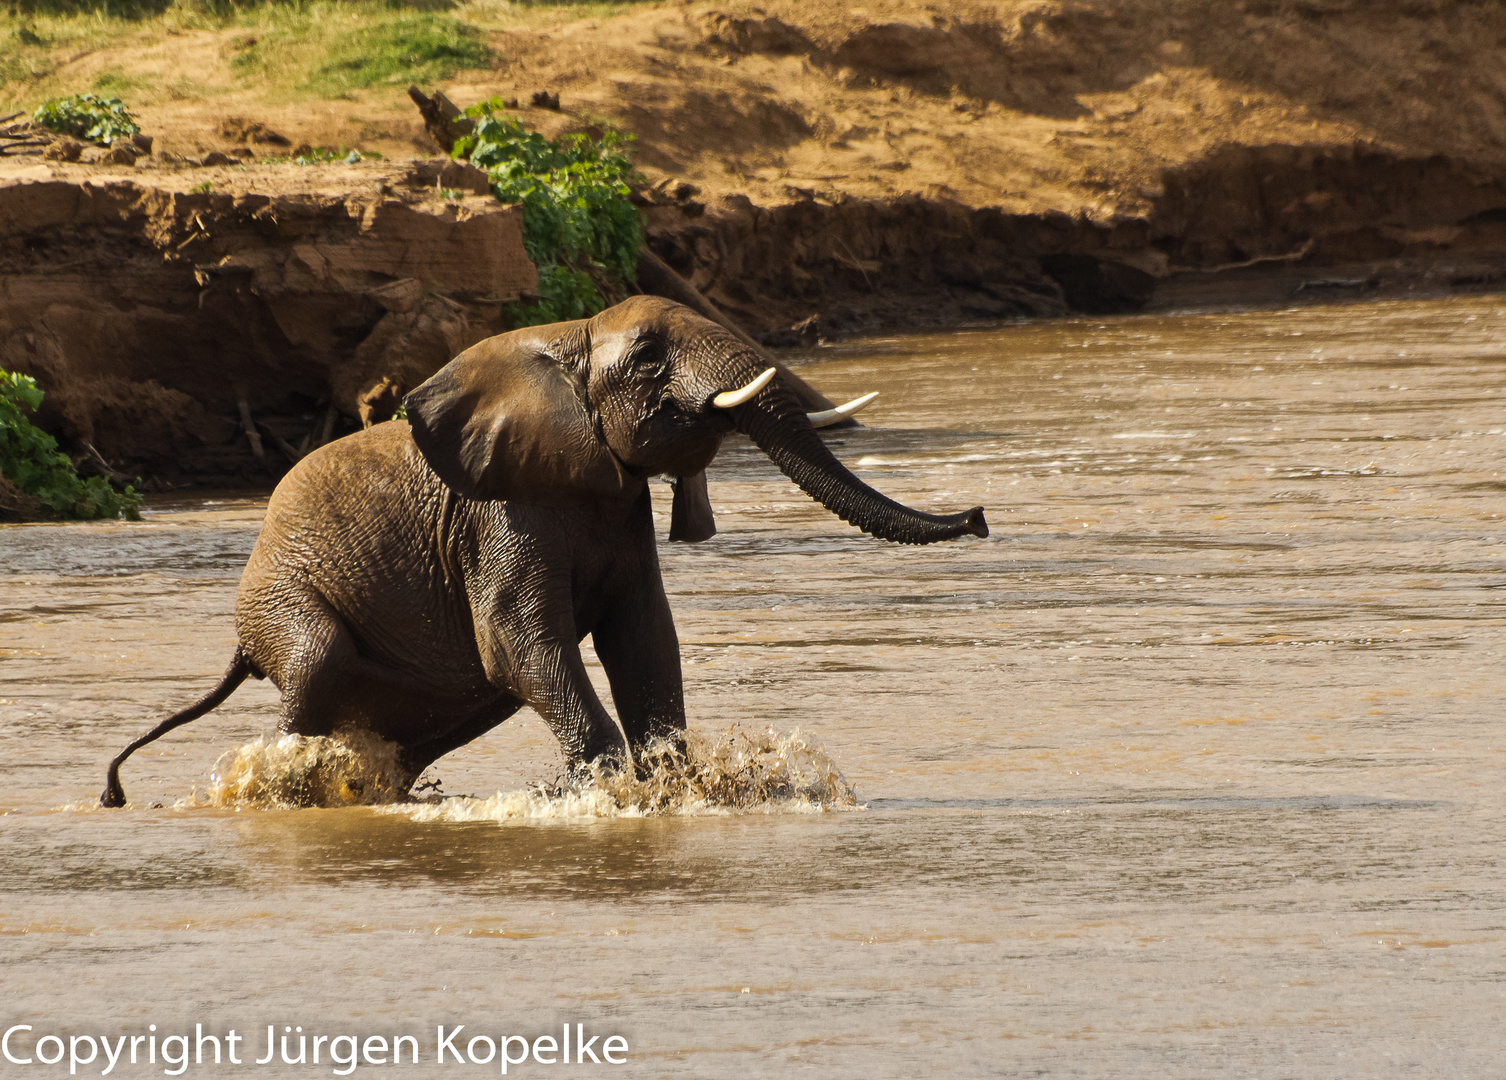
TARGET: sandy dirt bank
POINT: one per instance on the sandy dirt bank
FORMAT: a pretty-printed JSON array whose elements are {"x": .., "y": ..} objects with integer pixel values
[{"x": 815, "y": 169}]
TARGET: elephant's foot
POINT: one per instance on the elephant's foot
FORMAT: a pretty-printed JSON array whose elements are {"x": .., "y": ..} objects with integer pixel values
[
  {"x": 581, "y": 772},
  {"x": 666, "y": 751}
]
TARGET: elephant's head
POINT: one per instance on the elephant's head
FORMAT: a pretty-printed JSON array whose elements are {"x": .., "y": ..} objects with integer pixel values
[{"x": 594, "y": 408}]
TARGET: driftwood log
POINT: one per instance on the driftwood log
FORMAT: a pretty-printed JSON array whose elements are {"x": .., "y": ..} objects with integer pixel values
[{"x": 443, "y": 120}]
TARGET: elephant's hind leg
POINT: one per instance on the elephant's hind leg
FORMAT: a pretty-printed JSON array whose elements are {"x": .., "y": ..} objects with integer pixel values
[
  {"x": 328, "y": 684},
  {"x": 313, "y": 659}
]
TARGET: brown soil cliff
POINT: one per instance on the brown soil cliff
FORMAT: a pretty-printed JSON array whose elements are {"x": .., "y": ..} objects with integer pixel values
[
  {"x": 898, "y": 163},
  {"x": 814, "y": 168},
  {"x": 902, "y": 163},
  {"x": 170, "y": 315}
]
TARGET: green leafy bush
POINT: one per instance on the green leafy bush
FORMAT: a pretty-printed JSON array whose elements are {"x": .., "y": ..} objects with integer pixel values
[
  {"x": 86, "y": 116},
  {"x": 576, "y": 213},
  {"x": 31, "y": 459},
  {"x": 564, "y": 294}
]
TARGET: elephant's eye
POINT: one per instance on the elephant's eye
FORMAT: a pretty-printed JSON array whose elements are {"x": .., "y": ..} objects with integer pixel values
[{"x": 648, "y": 354}]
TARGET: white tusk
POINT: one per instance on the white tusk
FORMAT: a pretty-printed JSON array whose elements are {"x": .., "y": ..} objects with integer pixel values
[
  {"x": 828, "y": 417},
  {"x": 729, "y": 398}
]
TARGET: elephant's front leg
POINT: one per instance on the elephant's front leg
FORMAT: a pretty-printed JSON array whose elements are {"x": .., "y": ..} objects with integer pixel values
[
  {"x": 534, "y": 654},
  {"x": 640, "y": 651}
]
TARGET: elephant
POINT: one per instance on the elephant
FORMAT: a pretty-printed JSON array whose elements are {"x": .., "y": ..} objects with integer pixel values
[{"x": 424, "y": 579}]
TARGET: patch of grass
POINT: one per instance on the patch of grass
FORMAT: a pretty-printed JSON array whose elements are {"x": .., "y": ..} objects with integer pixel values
[
  {"x": 130, "y": 10},
  {"x": 145, "y": 10},
  {"x": 514, "y": 12},
  {"x": 115, "y": 82},
  {"x": 25, "y": 56},
  {"x": 415, "y": 48},
  {"x": 323, "y": 155},
  {"x": 185, "y": 89},
  {"x": 290, "y": 49},
  {"x": 329, "y": 50},
  {"x": 34, "y": 45}
]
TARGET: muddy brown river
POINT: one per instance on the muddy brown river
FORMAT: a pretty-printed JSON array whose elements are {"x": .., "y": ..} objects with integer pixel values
[{"x": 1194, "y": 767}]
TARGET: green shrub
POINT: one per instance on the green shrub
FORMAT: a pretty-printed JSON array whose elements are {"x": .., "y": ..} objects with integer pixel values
[
  {"x": 576, "y": 213},
  {"x": 564, "y": 294},
  {"x": 86, "y": 116},
  {"x": 31, "y": 459}
]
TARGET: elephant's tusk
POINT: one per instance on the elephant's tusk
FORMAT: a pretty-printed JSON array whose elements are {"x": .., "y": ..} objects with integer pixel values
[
  {"x": 727, "y": 399},
  {"x": 828, "y": 417}
]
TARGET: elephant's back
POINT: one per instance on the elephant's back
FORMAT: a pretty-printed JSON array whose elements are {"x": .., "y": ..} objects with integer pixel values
[
  {"x": 370, "y": 489},
  {"x": 365, "y": 527}
]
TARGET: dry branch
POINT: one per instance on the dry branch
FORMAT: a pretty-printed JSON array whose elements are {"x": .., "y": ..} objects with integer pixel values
[{"x": 249, "y": 426}]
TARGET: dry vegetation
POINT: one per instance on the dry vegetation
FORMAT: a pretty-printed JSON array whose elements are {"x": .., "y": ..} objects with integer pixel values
[
  {"x": 325, "y": 73},
  {"x": 1028, "y": 105}
]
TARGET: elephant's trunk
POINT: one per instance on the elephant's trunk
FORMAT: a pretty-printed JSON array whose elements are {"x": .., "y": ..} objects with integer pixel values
[{"x": 776, "y": 422}]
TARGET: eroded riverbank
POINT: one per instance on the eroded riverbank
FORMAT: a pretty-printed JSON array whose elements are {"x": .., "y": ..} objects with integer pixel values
[
  {"x": 817, "y": 171},
  {"x": 199, "y": 335}
]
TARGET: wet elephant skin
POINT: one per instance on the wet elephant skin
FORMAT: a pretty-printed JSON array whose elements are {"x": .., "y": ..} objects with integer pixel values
[{"x": 423, "y": 580}]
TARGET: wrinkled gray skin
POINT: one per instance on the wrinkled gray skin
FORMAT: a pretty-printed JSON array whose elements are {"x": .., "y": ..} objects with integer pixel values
[{"x": 425, "y": 580}]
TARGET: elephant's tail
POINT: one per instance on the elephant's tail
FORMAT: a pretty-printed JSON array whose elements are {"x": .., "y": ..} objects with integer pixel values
[{"x": 235, "y": 674}]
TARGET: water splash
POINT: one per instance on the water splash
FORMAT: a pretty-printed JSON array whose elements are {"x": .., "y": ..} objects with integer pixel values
[
  {"x": 352, "y": 768},
  {"x": 735, "y": 772},
  {"x": 767, "y": 772}
]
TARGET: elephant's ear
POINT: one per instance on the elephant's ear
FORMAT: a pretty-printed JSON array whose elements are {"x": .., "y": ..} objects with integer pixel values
[
  {"x": 503, "y": 420},
  {"x": 690, "y": 518}
]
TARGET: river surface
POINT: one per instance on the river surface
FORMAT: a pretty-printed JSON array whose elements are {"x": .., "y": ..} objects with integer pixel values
[{"x": 1195, "y": 767}]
